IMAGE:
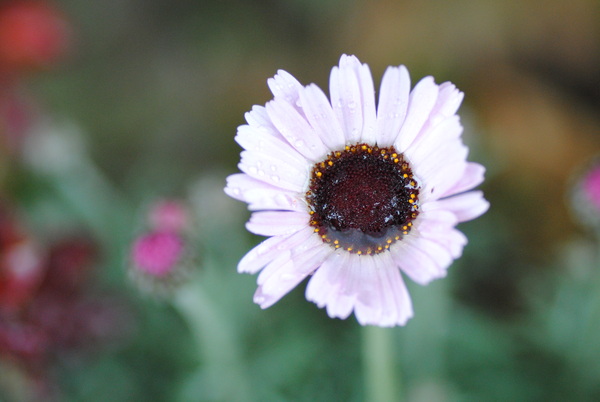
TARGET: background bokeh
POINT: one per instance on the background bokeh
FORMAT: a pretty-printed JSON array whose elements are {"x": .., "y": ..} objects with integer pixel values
[{"x": 144, "y": 103}]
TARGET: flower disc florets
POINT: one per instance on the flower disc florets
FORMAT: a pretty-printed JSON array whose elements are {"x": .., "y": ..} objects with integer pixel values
[{"x": 363, "y": 198}]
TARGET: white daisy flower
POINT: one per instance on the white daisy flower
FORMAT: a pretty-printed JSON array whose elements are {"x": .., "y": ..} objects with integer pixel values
[{"x": 352, "y": 193}]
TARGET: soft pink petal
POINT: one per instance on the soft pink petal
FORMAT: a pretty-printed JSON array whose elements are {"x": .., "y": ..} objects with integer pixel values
[
  {"x": 262, "y": 196},
  {"x": 329, "y": 282},
  {"x": 352, "y": 97},
  {"x": 415, "y": 262},
  {"x": 422, "y": 100},
  {"x": 296, "y": 130},
  {"x": 258, "y": 119},
  {"x": 272, "y": 170},
  {"x": 397, "y": 308},
  {"x": 369, "y": 298},
  {"x": 451, "y": 239},
  {"x": 277, "y": 223},
  {"x": 283, "y": 85},
  {"x": 446, "y": 132},
  {"x": 393, "y": 104},
  {"x": 471, "y": 178},
  {"x": 365, "y": 81},
  {"x": 432, "y": 217},
  {"x": 319, "y": 113},
  {"x": 261, "y": 255},
  {"x": 369, "y": 285},
  {"x": 448, "y": 102},
  {"x": 440, "y": 174},
  {"x": 281, "y": 279},
  {"x": 465, "y": 206},
  {"x": 254, "y": 140}
]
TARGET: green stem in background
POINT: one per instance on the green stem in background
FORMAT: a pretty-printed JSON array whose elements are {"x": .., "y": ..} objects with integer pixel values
[
  {"x": 383, "y": 382},
  {"x": 222, "y": 365}
]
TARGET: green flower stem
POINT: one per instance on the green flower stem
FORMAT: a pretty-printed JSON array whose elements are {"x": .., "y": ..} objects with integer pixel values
[
  {"x": 217, "y": 345},
  {"x": 383, "y": 382}
]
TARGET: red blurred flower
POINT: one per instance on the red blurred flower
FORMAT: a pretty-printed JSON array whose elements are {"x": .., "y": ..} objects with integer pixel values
[
  {"x": 49, "y": 308},
  {"x": 21, "y": 264},
  {"x": 33, "y": 34}
]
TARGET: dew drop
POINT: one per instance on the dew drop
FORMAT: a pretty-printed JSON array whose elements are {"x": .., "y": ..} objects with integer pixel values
[
  {"x": 299, "y": 143},
  {"x": 275, "y": 178},
  {"x": 261, "y": 172},
  {"x": 259, "y": 299},
  {"x": 252, "y": 170},
  {"x": 273, "y": 168}
]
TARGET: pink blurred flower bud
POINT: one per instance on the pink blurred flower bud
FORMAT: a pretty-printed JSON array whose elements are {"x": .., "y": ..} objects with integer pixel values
[
  {"x": 585, "y": 202},
  {"x": 169, "y": 215},
  {"x": 157, "y": 253}
]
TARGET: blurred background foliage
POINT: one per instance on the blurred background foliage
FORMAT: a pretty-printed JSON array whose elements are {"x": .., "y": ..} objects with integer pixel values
[{"x": 144, "y": 104}]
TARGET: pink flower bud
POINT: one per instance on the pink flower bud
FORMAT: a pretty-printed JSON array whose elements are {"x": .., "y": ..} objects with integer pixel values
[
  {"x": 157, "y": 253},
  {"x": 169, "y": 215}
]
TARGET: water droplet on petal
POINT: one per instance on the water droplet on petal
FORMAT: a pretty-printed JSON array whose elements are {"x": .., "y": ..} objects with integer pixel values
[
  {"x": 275, "y": 178},
  {"x": 299, "y": 143},
  {"x": 261, "y": 172}
]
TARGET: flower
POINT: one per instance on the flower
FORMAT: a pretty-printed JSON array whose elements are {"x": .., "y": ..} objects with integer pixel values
[
  {"x": 585, "y": 196},
  {"x": 171, "y": 215},
  {"x": 160, "y": 258},
  {"x": 157, "y": 253},
  {"x": 33, "y": 34},
  {"x": 352, "y": 193}
]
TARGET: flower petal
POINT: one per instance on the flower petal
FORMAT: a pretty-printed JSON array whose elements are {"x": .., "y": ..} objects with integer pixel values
[
  {"x": 328, "y": 286},
  {"x": 446, "y": 132},
  {"x": 261, "y": 255},
  {"x": 397, "y": 307},
  {"x": 320, "y": 115},
  {"x": 393, "y": 104},
  {"x": 262, "y": 196},
  {"x": 271, "y": 169},
  {"x": 283, "y": 85},
  {"x": 448, "y": 102},
  {"x": 369, "y": 285},
  {"x": 410, "y": 255},
  {"x": 471, "y": 178},
  {"x": 422, "y": 100},
  {"x": 277, "y": 223},
  {"x": 465, "y": 206},
  {"x": 353, "y": 99},
  {"x": 254, "y": 140},
  {"x": 258, "y": 118},
  {"x": 278, "y": 279},
  {"x": 296, "y": 130}
]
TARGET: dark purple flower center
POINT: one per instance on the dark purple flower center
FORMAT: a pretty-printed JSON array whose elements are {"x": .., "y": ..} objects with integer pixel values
[{"x": 363, "y": 199}]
